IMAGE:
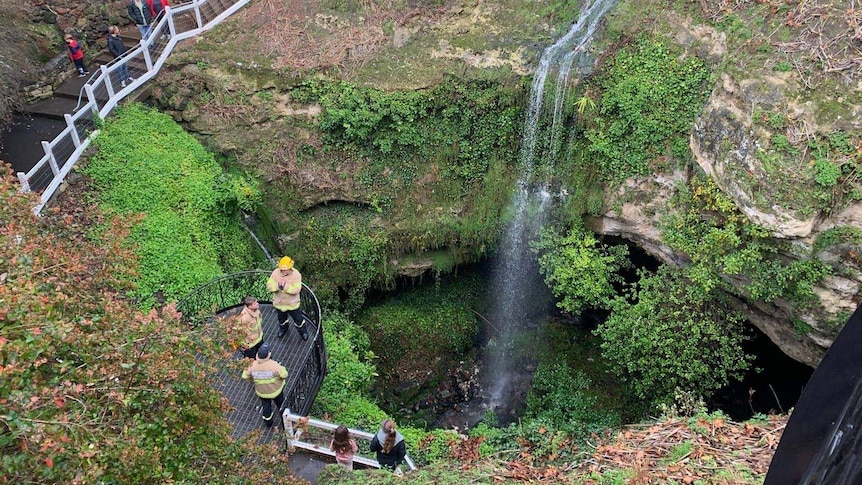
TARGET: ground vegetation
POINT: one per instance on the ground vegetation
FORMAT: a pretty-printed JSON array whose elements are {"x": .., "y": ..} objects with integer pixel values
[{"x": 92, "y": 389}]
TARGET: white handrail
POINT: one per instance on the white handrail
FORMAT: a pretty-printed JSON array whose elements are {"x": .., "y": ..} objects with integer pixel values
[
  {"x": 104, "y": 91},
  {"x": 293, "y": 430}
]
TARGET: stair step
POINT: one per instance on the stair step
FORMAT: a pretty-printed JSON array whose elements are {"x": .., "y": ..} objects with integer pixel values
[
  {"x": 104, "y": 57},
  {"x": 130, "y": 35},
  {"x": 53, "y": 108},
  {"x": 73, "y": 85}
]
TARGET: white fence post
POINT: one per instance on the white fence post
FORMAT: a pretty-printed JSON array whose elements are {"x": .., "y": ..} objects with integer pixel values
[
  {"x": 91, "y": 95},
  {"x": 198, "y": 17},
  {"x": 51, "y": 160},
  {"x": 171, "y": 28},
  {"x": 108, "y": 86},
  {"x": 147, "y": 59},
  {"x": 24, "y": 181},
  {"x": 79, "y": 141},
  {"x": 71, "y": 124}
]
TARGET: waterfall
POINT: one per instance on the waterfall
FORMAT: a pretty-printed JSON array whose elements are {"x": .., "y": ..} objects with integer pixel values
[
  {"x": 515, "y": 277},
  {"x": 248, "y": 223}
]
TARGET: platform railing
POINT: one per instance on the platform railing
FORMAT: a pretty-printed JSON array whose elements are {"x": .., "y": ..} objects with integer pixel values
[
  {"x": 202, "y": 305},
  {"x": 105, "y": 90},
  {"x": 313, "y": 435}
]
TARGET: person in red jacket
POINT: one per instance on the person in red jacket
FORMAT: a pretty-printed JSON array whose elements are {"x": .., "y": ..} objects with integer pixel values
[
  {"x": 76, "y": 54},
  {"x": 156, "y": 7}
]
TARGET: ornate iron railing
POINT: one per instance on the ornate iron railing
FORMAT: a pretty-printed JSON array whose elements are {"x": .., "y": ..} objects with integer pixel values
[
  {"x": 226, "y": 292},
  {"x": 105, "y": 89}
]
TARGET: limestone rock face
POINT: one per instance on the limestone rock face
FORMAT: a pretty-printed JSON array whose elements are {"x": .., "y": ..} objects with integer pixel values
[{"x": 727, "y": 144}]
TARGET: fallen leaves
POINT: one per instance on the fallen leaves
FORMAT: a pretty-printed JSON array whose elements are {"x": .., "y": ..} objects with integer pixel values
[{"x": 714, "y": 443}]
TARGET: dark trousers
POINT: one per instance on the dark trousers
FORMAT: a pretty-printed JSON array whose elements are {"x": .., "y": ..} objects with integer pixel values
[
  {"x": 79, "y": 63},
  {"x": 267, "y": 408},
  {"x": 298, "y": 321},
  {"x": 251, "y": 352}
]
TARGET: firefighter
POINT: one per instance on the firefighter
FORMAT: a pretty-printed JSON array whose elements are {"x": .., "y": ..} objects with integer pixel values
[
  {"x": 269, "y": 377},
  {"x": 250, "y": 321},
  {"x": 285, "y": 283}
]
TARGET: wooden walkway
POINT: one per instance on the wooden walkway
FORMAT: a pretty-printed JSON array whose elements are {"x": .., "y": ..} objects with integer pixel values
[{"x": 290, "y": 351}]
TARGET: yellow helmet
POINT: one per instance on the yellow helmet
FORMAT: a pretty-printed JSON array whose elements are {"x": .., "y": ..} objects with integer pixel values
[{"x": 285, "y": 263}]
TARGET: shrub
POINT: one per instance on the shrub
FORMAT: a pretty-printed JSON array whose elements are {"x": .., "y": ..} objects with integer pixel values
[
  {"x": 93, "y": 390},
  {"x": 649, "y": 100},
  {"x": 579, "y": 269},
  {"x": 560, "y": 399},
  {"x": 673, "y": 335},
  {"x": 343, "y": 395}
]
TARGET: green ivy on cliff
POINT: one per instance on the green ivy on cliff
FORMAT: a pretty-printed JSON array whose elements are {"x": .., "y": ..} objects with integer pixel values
[
  {"x": 461, "y": 124},
  {"x": 649, "y": 100},
  {"x": 431, "y": 170},
  {"x": 729, "y": 252},
  {"x": 189, "y": 229}
]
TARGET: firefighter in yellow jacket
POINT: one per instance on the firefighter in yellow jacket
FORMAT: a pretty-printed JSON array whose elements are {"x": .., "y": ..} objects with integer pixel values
[
  {"x": 268, "y": 376},
  {"x": 285, "y": 283},
  {"x": 250, "y": 321}
]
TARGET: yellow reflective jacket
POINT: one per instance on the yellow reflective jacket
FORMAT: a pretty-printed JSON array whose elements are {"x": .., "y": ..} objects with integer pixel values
[
  {"x": 268, "y": 376},
  {"x": 286, "y": 298}
]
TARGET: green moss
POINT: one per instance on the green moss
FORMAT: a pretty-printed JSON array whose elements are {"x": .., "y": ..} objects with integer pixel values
[
  {"x": 421, "y": 325},
  {"x": 190, "y": 230}
]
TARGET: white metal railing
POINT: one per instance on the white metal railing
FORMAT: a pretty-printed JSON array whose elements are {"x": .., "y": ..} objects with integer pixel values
[
  {"x": 295, "y": 426},
  {"x": 104, "y": 90}
]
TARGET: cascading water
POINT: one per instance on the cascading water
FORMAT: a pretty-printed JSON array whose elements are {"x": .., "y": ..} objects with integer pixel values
[{"x": 515, "y": 278}]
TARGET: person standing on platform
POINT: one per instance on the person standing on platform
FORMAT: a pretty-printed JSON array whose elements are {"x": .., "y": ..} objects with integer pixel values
[
  {"x": 343, "y": 446},
  {"x": 285, "y": 283},
  {"x": 250, "y": 324},
  {"x": 269, "y": 377},
  {"x": 389, "y": 445}
]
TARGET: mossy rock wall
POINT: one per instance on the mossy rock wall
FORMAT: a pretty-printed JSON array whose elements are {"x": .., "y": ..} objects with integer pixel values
[{"x": 386, "y": 136}]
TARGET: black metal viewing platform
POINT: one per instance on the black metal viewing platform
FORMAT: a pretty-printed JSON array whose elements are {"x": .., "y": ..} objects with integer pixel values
[{"x": 305, "y": 361}]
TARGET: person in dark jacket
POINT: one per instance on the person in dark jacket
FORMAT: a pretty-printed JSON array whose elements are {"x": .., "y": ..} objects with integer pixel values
[
  {"x": 141, "y": 16},
  {"x": 389, "y": 445},
  {"x": 117, "y": 49}
]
